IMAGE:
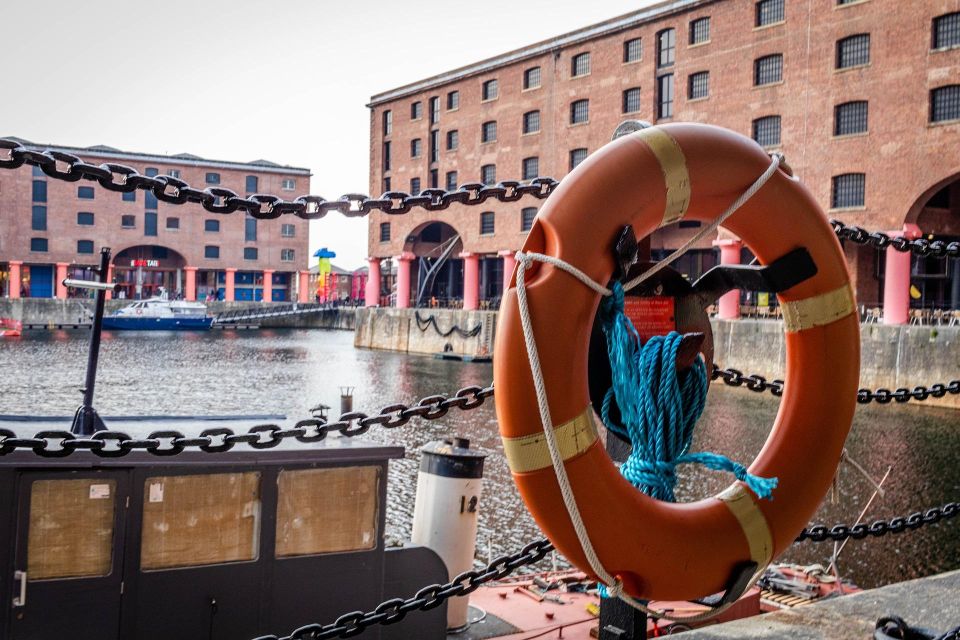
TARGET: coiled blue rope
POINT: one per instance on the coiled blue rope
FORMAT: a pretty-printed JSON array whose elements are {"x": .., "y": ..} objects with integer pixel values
[{"x": 659, "y": 407}]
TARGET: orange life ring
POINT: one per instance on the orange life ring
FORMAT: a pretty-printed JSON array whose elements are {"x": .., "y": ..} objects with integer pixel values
[{"x": 662, "y": 550}]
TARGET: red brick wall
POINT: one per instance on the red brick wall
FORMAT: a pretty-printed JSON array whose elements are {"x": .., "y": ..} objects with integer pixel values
[
  {"x": 902, "y": 155},
  {"x": 108, "y": 207}
]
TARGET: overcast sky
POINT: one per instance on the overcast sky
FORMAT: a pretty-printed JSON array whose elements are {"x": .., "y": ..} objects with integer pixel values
[{"x": 285, "y": 80}]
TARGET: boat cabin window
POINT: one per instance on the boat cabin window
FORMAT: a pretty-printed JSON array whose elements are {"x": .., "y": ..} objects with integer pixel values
[
  {"x": 327, "y": 510},
  {"x": 71, "y": 528},
  {"x": 197, "y": 520}
]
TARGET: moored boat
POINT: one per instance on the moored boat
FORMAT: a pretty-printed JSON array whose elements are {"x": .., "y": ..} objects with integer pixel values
[
  {"x": 10, "y": 328},
  {"x": 160, "y": 314}
]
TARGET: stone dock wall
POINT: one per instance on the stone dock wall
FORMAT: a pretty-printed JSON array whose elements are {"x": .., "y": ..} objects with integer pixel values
[
  {"x": 398, "y": 330},
  {"x": 891, "y": 356},
  {"x": 46, "y": 311}
]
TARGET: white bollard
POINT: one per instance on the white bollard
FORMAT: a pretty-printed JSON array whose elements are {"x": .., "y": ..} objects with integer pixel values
[{"x": 445, "y": 513}]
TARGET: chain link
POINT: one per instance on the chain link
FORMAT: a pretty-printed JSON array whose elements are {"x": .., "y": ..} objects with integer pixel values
[
  {"x": 114, "y": 444},
  {"x": 759, "y": 384},
  {"x": 840, "y": 532},
  {"x": 118, "y": 177},
  {"x": 429, "y": 597},
  {"x": 880, "y": 240}
]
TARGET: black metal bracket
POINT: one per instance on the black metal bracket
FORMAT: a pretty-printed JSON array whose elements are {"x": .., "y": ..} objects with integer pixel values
[
  {"x": 740, "y": 580},
  {"x": 785, "y": 272}
]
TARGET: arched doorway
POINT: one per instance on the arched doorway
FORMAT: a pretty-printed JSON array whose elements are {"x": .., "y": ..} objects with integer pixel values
[
  {"x": 936, "y": 281},
  {"x": 146, "y": 271},
  {"x": 437, "y": 270}
]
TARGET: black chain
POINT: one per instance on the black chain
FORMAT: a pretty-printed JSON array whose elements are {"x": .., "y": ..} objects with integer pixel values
[
  {"x": 114, "y": 444},
  {"x": 430, "y": 597},
  {"x": 877, "y": 528},
  {"x": 918, "y": 246},
  {"x": 118, "y": 177},
  {"x": 759, "y": 384}
]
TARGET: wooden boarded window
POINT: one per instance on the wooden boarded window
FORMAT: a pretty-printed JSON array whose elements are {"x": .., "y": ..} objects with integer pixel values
[
  {"x": 71, "y": 528},
  {"x": 327, "y": 510},
  {"x": 196, "y": 520}
]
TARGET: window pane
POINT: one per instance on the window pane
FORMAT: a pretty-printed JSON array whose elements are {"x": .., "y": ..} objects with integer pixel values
[
  {"x": 327, "y": 510},
  {"x": 453, "y": 140},
  {"x": 196, "y": 520},
  {"x": 531, "y": 168},
  {"x": 434, "y": 110},
  {"x": 150, "y": 223},
  {"x": 666, "y": 44},
  {"x": 488, "y": 174},
  {"x": 384, "y": 231},
  {"x": 665, "y": 96},
  {"x": 84, "y": 246},
  {"x": 416, "y": 110},
  {"x": 415, "y": 148},
  {"x": 769, "y": 12},
  {"x": 945, "y": 103},
  {"x": 128, "y": 221},
  {"x": 699, "y": 85},
  {"x": 699, "y": 30},
  {"x": 250, "y": 229},
  {"x": 848, "y": 190},
  {"x": 527, "y": 215},
  {"x": 387, "y": 122},
  {"x": 946, "y": 31},
  {"x": 766, "y": 131},
  {"x": 288, "y": 230},
  {"x": 173, "y": 223},
  {"x": 249, "y": 253},
  {"x": 386, "y": 156},
  {"x": 38, "y": 220},
  {"x": 451, "y": 184},
  {"x": 580, "y": 65},
  {"x": 531, "y": 78},
  {"x": 579, "y": 111},
  {"x": 415, "y": 186},
  {"x": 488, "y": 132},
  {"x": 130, "y": 196},
  {"x": 39, "y": 190},
  {"x": 213, "y": 178},
  {"x": 486, "y": 222},
  {"x": 287, "y": 255},
  {"x": 85, "y": 218},
  {"x": 632, "y": 50},
  {"x": 490, "y": 90},
  {"x": 211, "y": 225},
  {"x": 211, "y": 251},
  {"x": 850, "y": 117},
  {"x": 85, "y": 193},
  {"x": 453, "y": 100},
  {"x": 768, "y": 69},
  {"x": 853, "y": 51},
  {"x": 252, "y": 184},
  {"x": 434, "y": 145},
  {"x": 71, "y": 528},
  {"x": 38, "y": 244},
  {"x": 631, "y": 100},
  {"x": 531, "y": 122},
  {"x": 576, "y": 157}
]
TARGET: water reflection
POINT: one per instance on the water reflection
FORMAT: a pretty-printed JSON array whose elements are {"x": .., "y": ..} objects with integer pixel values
[{"x": 290, "y": 371}]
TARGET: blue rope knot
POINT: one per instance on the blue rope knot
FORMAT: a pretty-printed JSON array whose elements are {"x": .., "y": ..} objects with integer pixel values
[{"x": 659, "y": 407}]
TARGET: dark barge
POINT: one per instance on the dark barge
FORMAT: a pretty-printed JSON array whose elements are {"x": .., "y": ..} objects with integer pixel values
[{"x": 201, "y": 546}]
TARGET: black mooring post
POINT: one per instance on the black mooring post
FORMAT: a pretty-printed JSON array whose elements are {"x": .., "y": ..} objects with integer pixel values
[
  {"x": 618, "y": 620},
  {"x": 86, "y": 421}
]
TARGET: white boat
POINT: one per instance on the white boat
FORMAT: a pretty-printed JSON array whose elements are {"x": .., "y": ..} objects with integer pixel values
[{"x": 160, "y": 314}]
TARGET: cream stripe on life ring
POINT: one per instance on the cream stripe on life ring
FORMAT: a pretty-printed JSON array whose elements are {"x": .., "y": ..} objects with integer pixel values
[
  {"x": 530, "y": 453},
  {"x": 675, "y": 174},
  {"x": 752, "y": 521},
  {"x": 818, "y": 310}
]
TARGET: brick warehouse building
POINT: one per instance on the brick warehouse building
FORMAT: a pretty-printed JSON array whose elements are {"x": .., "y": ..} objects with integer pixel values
[
  {"x": 862, "y": 96},
  {"x": 54, "y": 229}
]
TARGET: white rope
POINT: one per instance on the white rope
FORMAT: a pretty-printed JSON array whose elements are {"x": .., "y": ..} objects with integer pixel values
[
  {"x": 776, "y": 159},
  {"x": 524, "y": 261}
]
